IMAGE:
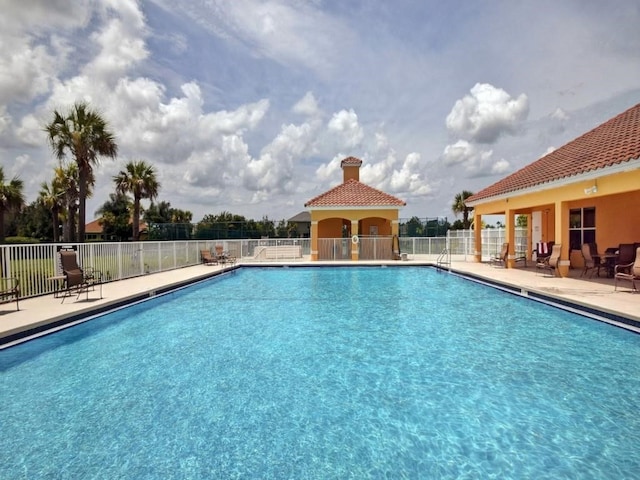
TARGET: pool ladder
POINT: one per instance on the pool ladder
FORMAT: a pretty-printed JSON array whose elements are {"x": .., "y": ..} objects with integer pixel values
[{"x": 444, "y": 260}]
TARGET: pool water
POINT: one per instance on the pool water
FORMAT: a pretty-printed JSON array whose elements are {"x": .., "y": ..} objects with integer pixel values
[{"x": 323, "y": 373}]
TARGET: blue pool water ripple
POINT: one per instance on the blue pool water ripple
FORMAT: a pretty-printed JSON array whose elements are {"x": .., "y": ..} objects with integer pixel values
[{"x": 325, "y": 373}]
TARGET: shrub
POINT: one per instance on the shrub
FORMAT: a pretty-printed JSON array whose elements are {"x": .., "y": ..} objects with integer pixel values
[{"x": 20, "y": 240}]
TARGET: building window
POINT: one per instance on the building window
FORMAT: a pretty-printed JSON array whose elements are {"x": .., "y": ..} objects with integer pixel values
[{"x": 582, "y": 227}]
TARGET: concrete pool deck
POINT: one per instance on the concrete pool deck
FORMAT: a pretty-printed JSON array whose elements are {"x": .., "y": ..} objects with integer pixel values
[{"x": 40, "y": 314}]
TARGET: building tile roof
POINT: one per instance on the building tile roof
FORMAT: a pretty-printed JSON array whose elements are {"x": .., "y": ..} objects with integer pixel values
[
  {"x": 95, "y": 227},
  {"x": 301, "y": 217},
  {"x": 353, "y": 193},
  {"x": 615, "y": 141},
  {"x": 351, "y": 161}
]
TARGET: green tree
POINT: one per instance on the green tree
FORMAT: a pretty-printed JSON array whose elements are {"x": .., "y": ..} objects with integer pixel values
[
  {"x": 292, "y": 230},
  {"x": 34, "y": 221},
  {"x": 139, "y": 179},
  {"x": 460, "y": 206},
  {"x": 51, "y": 196},
  {"x": 181, "y": 216},
  {"x": 266, "y": 227},
  {"x": 83, "y": 133},
  {"x": 223, "y": 225},
  {"x": 66, "y": 179},
  {"x": 521, "y": 221},
  {"x": 281, "y": 229},
  {"x": 115, "y": 217},
  {"x": 160, "y": 212},
  {"x": 457, "y": 225},
  {"x": 414, "y": 227},
  {"x": 11, "y": 198}
]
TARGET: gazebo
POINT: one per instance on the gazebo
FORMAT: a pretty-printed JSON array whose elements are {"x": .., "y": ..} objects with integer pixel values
[{"x": 366, "y": 216}]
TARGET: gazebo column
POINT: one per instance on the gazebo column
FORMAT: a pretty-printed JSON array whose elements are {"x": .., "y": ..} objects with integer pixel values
[
  {"x": 355, "y": 246},
  {"x": 395, "y": 227},
  {"x": 477, "y": 233},
  {"x": 314, "y": 240},
  {"x": 562, "y": 237}
]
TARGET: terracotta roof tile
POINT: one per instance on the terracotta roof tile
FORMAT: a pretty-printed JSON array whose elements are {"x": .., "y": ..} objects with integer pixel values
[
  {"x": 353, "y": 193},
  {"x": 615, "y": 141},
  {"x": 351, "y": 161},
  {"x": 95, "y": 227}
]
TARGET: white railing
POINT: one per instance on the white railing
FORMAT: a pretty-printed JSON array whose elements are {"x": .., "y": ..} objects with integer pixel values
[
  {"x": 463, "y": 241},
  {"x": 36, "y": 265}
]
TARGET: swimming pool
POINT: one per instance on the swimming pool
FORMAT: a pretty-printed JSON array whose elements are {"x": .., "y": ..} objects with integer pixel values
[{"x": 325, "y": 373}]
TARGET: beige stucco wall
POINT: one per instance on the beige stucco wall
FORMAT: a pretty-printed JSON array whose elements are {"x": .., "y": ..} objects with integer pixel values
[
  {"x": 617, "y": 203},
  {"x": 328, "y": 224}
]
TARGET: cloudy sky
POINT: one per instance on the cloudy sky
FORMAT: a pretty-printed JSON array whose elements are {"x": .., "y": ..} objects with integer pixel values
[{"x": 248, "y": 106}]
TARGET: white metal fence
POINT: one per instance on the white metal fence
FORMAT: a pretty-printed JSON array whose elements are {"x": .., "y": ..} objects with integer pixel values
[{"x": 36, "y": 265}]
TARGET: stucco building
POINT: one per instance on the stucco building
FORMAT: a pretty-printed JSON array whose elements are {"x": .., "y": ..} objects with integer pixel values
[
  {"x": 587, "y": 191},
  {"x": 366, "y": 216}
]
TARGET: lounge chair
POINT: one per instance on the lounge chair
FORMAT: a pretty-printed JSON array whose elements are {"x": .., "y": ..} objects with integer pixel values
[
  {"x": 543, "y": 251},
  {"x": 500, "y": 258},
  {"x": 629, "y": 272},
  {"x": 207, "y": 258},
  {"x": 224, "y": 256},
  {"x": 10, "y": 289},
  {"x": 626, "y": 255},
  {"x": 76, "y": 278},
  {"x": 550, "y": 262},
  {"x": 590, "y": 263}
]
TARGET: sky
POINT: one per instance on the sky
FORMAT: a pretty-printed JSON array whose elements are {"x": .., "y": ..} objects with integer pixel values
[{"x": 248, "y": 106}]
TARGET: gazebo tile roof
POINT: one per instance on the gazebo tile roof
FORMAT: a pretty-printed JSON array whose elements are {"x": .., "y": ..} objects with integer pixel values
[
  {"x": 351, "y": 161},
  {"x": 353, "y": 193},
  {"x": 613, "y": 142}
]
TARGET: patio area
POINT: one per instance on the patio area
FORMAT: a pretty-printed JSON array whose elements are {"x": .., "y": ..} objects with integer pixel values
[{"x": 45, "y": 312}]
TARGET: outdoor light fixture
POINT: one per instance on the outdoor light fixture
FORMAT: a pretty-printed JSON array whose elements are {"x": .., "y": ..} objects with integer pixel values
[{"x": 592, "y": 189}]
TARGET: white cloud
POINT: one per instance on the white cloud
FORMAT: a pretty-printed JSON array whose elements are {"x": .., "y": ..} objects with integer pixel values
[
  {"x": 329, "y": 172},
  {"x": 121, "y": 47},
  {"x": 486, "y": 113},
  {"x": 345, "y": 129},
  {"x": 274, "y": 171},
  {"x": 307, "y": 105},
  {"x": 259, "y": 115},
  {"x": 500, "y": 167},
  {"x": 291, "y": 33},
  {"x": 560, "y": 114},
  {"x": 475, "y": 161},
  {"x": 459, "y": 152}
]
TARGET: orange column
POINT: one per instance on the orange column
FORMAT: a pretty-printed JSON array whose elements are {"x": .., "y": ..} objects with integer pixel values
[
  {"x": 477, "y": 225},
  {"x": 509, "y": 227},
  {"x": 314, "y": 240},
  {"x": 355, "y": 241},
  {"x": 562, "y": 236},
  {"x": 529, "y": 253}
]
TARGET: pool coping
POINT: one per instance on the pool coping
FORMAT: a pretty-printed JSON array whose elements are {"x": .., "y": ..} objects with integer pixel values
[
  {"x": 581, "y": 308},
  {"x": 55, "y": 323},
  {"x": 59, "y": 322}
]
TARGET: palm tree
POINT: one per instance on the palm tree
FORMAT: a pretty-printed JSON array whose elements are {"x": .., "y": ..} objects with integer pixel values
[
  {"x": 84, "y": 134},
  {"x": 460, "y": 206},
  {"x": 11, "y": 197},
  {"x": 139, "y": 179},
  {"x": 181, "y": 216},
  {"x": 52, "y": 197},
  {"x": 67, "y": 179}
]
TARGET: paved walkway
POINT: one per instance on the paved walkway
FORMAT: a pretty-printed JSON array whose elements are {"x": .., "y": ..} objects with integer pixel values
[{"x": 40, "y": 313}]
